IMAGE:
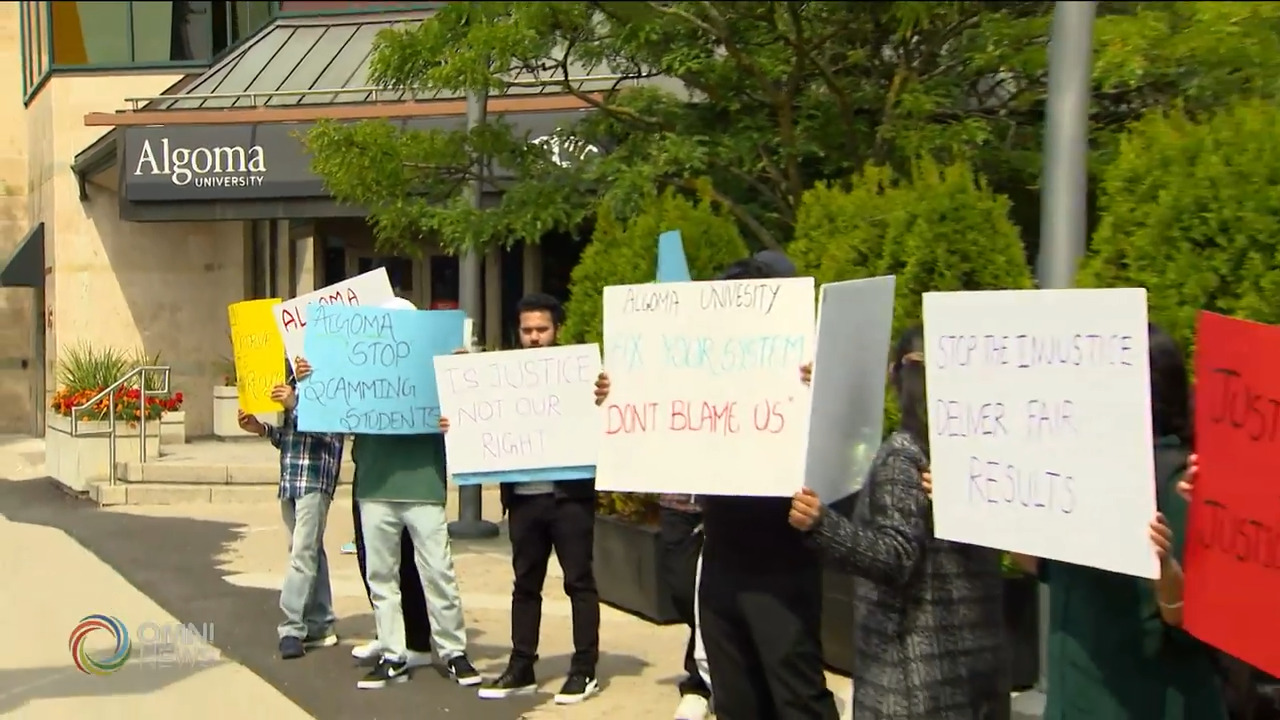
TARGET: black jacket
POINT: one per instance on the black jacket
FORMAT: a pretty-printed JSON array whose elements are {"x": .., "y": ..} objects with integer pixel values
[{"x": 564, "y": 490}]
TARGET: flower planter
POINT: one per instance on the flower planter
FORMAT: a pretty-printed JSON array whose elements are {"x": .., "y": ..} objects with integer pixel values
[
  {"x": 628, "y": 569},
  {"x": 173, "y": 428},
  {"x": 1022, "y": 629},
  {"x": 80, "y": 461},
  {"x": 226, "y": 403}
]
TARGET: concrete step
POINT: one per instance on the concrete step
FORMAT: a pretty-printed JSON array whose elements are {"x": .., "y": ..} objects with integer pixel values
[
  {"x": 161, "y": 472},
  {"x": 178, "y": 493}
]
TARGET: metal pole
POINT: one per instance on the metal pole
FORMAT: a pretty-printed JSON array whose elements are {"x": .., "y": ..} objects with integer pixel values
[
  {"x": 471, "y": 524},
  {"x": 1064, "y": 186}
]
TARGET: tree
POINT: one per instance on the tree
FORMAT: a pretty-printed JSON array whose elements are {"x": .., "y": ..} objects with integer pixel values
[
  {"x": 751, "y": 103},
  {"x": 1190, "y": 211}
]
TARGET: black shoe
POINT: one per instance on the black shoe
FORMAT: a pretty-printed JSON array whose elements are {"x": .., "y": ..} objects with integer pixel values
[
  {"x": 291, "y": 648},
  {"x": 463, "y": 672},
  {"x": 576, "y": 688},
  {"x": 514, "y": 681},
  {"x": 386, "y": 672}
]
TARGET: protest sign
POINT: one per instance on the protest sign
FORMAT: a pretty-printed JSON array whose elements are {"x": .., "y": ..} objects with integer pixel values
[
  {"x": 846, "y": 421},
  {"x": 672, "y": 264},
  {"x": 1040, "y": 424},
  {"x": 706, "y": 395},
  {"x": 1231, "y": 563},
  {"x": 370, "y": 289},
  {"x": 520, "y": 409},
  {"x": 372, "y": 371},
  {"x": 259, "y": 354}
]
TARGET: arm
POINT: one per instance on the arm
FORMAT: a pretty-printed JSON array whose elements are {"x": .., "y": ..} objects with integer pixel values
[
  {"x": 888, "y": 548},
  {"x": 1168, "y": 588}
]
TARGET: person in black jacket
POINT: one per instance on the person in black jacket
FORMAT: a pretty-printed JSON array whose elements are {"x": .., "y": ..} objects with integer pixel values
[{"x": 542, "y": 517}]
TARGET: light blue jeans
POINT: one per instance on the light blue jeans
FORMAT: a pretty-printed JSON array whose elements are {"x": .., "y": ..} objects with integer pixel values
[
  {"x": 306, "y": 598},
  {"x": 381, "y": 523}
]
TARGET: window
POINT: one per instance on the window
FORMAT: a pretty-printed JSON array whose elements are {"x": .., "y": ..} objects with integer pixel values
[
  {"x": 123, "y": 33},
  {"x": 35, "y": 40}
]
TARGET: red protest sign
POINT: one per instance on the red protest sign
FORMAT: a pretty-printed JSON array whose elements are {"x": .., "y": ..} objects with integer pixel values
[{"x": 1232, "y": 554}]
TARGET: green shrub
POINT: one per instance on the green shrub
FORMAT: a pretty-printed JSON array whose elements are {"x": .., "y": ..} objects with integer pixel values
[
  {"x": 1190, "y": 210},
  {"x": 624, "y": 252},
  {"x": 942, "y": 229}
]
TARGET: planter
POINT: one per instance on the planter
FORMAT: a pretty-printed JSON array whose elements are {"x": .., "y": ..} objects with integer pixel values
[
  {"x": 80, "y": 461},
  {"x": 1022, "y": 629},
  {"x": 628, "y": 568},
  {"x": 226, "y": 403},
  {"x": 837, "y": 621},
  {"x": 173, "y": 428}
]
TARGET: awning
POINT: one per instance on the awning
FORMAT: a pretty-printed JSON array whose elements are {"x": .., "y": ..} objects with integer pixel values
[{"x": 25, "y": 267}]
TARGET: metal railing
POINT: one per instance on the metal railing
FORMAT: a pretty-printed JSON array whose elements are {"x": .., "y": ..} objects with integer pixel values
[
  {"x": 253, "y": 95},
  {"x": 109, "y": 393}
]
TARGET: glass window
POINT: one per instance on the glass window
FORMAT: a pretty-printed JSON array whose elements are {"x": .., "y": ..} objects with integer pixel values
[
  {"x": 40, "y": 32},
  {"x": 91, "y": 33},
  {"x": 116, "y": 33},
  {"x": 34, "y": 53}
]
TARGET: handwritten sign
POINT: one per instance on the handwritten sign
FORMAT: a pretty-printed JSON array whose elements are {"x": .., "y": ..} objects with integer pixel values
[
  {"x": 706, "y": 395},
  {"x": 855, "y": 320},
  {"x": 372, "y": 371},
  {"x": 259, "y": 354},
  {"x": 521, "y": 409},
  {"x": 1040, "y": 424},
  {"x": 370, "y": 289},
  {"x": 1232, "y": 550}
]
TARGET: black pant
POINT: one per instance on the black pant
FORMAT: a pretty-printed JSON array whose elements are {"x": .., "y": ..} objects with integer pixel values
[
  {"x": 537, "y": 525},
  {"x": 761, "y": 629},
  {"x": 681, "y": 546},
  {"x": 413, "y": 604}
]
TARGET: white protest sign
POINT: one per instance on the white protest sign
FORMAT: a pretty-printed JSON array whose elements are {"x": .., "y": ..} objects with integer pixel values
[
  {"x": 846, "y": 422},
  {"x": 705, "y": 393},
  {"x": 369, "y": 289},
  {"x": 1040, "y": 424},
  {"x": 520, "y": 409}
]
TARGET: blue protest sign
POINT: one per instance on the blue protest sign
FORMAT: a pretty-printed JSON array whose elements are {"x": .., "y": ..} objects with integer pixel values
[
  {"x": 372, "y": 371},
  {"x": 672, "y": 265},
  {"x": 523, "y": 476}
]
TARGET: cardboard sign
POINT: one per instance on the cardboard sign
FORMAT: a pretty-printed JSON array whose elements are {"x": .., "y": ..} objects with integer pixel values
[
  {"x": 370, "y": 289},
  {"x": 1040, "y": 424},
  {"x": 855, "y": 320},
  {"x": 259, "y": 354},
  {"x": 372, "y": 370},
  {"x": 1231, "y": 557},
  {"x": 706, "y": 396}
]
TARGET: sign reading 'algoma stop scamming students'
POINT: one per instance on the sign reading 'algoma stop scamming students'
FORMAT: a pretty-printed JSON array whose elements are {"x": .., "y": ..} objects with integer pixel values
[{"x": 1040, "y": 424}]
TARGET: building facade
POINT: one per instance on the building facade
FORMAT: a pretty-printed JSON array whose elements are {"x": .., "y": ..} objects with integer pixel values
[{"x": 155, "y": 173}]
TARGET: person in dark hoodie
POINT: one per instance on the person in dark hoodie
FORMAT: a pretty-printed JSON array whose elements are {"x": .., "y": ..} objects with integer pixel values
[
  {"x": 760, "y": 596},
  {"x": 541, "y": 517}
]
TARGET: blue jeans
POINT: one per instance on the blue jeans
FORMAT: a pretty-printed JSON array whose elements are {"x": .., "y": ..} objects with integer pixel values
[{"x": 306, "y": 598}]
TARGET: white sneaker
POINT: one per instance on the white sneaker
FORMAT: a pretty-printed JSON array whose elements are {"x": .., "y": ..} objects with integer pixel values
[
  {"x": 693, "y": 707},
  {"x": 367, "y": 651}
]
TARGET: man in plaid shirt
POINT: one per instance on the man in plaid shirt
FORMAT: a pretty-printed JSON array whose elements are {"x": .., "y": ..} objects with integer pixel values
[{"x": 309, "y": 464}]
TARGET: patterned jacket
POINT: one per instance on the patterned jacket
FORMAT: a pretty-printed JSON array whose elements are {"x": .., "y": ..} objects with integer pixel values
[{"x": 929, "y": 612}]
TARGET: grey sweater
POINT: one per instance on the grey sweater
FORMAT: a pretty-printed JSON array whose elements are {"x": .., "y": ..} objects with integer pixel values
[{"x": 929, "y": 612}]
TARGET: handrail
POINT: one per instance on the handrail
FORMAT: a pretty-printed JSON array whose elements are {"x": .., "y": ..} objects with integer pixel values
[
  {"x": 110, "y": 394},
  {"x": 253, "y": 95}
]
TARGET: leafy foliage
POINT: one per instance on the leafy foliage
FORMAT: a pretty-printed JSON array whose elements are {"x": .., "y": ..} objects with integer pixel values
[
  {"x": 626, "y": 252},
  {"x": 1190, "y": 212}
]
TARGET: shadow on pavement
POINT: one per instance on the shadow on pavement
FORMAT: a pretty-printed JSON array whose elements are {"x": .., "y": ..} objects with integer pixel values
[{"x": 174, "y": 562}]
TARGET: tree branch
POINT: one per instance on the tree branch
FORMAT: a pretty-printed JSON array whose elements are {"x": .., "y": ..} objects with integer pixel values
[{"x": 762, "y": 233}]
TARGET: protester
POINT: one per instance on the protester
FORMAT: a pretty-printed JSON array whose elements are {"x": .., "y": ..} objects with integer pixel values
[
  {"x": 928, "y": 639},
  {"x": 402, "y": 487},
  {"x": 309, "y": 464},
  {"x": 680, "y": 530},
  {"x": 542, "y": 517},
  {"x": 760, "y": 592},
  {"x": 1116, "y": 647}
]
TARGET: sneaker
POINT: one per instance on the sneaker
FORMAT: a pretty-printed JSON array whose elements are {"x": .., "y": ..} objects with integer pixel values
[
  {"x": 386, "y": 672},
  {"x": 320, "y": 640},
  {"x": 576, "y": 689},
  {"x": 292, "y": 648},
  {"x": 463, "y": 672},
  {"x": 349, "y": 549},
  {"x": 514, "y": 681},
  {"x": 693, "y": 707},
  {"x": 367, "y": 651}
]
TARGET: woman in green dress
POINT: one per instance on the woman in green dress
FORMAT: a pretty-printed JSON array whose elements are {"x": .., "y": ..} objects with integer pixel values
[{"x": 1117, "y": 650}]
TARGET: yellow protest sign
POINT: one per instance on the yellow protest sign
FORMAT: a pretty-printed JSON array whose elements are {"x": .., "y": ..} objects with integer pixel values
[{"x": 259, "y": 353}]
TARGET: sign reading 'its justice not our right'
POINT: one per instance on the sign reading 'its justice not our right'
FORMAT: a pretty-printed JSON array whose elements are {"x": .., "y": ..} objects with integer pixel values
[{"x": 1040, "y": 424}]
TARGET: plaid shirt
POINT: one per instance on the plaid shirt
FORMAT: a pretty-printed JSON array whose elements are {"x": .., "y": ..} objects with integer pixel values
[{"x": 309, "y": 462}]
